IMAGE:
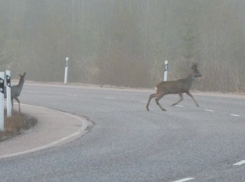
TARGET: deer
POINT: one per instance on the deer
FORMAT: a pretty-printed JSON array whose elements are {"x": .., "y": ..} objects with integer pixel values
[
  {"x": 16, "y": 90},
  {"x": 175, "y": 87}
]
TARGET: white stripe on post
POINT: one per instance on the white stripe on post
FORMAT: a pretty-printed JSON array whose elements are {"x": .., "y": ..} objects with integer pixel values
[
  {"x": 2, "y": 101},
  {"x": 166, "y": 71},
  {"x": 66, "y": 70},
  {"x": 8, "y": 89}
]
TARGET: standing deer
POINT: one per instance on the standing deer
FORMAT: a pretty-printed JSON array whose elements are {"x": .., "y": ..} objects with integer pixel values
[
  {"x": 175, "y": 87},
  {"x": 16, "y": 90}
]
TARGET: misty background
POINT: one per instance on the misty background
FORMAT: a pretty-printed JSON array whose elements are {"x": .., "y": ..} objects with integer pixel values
[{"x": 125, "y": 42}]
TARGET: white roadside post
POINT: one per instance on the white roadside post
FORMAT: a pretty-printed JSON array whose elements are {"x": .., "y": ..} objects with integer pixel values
[
  {"x": 8, "y": 89},
  {"x": 165, "y": 78},
  {"x": 2, "y": 101},
  {"x": 66, "y": 70}
]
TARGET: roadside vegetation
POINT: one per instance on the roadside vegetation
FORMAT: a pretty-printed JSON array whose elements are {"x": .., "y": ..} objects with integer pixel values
[
  {"x": 17, "y": 124},
  {"x": 125, "y": 43}
]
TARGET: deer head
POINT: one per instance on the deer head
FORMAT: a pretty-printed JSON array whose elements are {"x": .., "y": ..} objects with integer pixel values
[
  {"x": 195, "y": 70},
  {"x": 22, "y": 78}
]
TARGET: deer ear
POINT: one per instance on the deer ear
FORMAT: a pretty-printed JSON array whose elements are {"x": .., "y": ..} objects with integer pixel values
[{"x": 194, "y": 65}]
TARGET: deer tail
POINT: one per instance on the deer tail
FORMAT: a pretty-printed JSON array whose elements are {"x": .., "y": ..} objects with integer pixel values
[{"x": 156, "y": 89}]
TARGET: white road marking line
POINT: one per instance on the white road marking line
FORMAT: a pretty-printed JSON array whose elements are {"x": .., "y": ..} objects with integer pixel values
[
  {"x": 185, "y": 179},
  {"x": 108, "y": 98},
  {"x": 239, "y": 163},
  {"x": 235, "y": 115},
  {"x": 179, "y": 106},
  {"x": 143, "y": 101},
  {"x": 209, "y": 110}
]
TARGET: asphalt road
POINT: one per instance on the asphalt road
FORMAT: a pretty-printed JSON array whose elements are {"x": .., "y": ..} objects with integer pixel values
[{"x": 129, "y": 144}]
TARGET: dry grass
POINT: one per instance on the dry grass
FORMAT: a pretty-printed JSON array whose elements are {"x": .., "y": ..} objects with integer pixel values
[{"x": 16, "y": 124}]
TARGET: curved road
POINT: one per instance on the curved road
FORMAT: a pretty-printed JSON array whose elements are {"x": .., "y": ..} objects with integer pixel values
[{"x": 129, "y": 144}]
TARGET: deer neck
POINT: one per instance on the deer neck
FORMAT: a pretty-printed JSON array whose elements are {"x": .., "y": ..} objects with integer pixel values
[
  {"x": 189, "y": 79},
  {"x": 21, "y": 82}
]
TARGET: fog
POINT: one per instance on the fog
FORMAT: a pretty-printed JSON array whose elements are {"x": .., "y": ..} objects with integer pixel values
[{"x": 125, "y": 42}]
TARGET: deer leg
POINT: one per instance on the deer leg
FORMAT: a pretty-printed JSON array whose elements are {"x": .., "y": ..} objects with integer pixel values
[
  {"x": 188, "y": 93},
  {"x": 12, "y": 102},
  {"x": 181, "y": 98},
  {"x": 151, "y": 96},
  {"x": 18, "y": 102},
  {"x": 157, "y": 101}
]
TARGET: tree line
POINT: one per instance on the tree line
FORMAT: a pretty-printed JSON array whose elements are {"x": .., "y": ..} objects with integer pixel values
[{"x": 125, "y": 42}]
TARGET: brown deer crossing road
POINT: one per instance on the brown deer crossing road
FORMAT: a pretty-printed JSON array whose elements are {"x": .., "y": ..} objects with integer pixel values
[{"x": 128, "y": 143}]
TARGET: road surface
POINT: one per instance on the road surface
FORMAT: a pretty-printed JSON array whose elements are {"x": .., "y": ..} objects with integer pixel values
[{"x": 129, "y": 144}]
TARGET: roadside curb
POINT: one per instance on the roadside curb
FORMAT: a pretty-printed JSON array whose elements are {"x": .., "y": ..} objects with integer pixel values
[{"x": 65, "y": 120}]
